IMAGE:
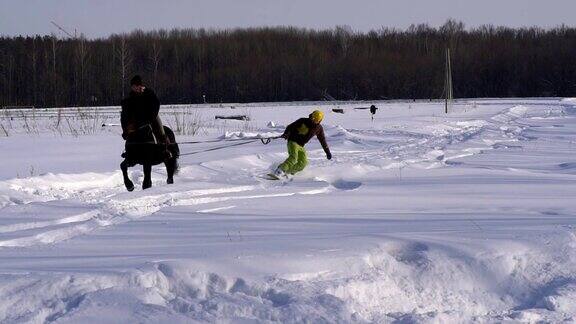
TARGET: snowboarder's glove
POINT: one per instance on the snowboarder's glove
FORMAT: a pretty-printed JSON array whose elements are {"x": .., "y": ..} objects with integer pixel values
[{"x": 329, "y": 156}]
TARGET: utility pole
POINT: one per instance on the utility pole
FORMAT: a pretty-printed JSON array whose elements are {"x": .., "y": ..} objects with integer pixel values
[
  {"x": 64, "y": 30},
  {"x": 81, "y": 58},
  {"x": 448, "y": 82}
]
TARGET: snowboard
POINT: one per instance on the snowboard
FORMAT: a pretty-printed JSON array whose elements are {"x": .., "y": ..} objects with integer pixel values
[{"x": 273, "y": 177}]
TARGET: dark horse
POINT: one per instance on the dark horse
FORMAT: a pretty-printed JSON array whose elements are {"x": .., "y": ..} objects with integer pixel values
[{"x": 142, "y": 148}]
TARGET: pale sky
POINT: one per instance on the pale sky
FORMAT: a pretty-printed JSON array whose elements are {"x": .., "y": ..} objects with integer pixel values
[{"x": 100, "y": 18}]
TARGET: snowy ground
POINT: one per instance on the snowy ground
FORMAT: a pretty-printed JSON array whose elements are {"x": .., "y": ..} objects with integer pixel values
[{"x": 419, "y": 217}]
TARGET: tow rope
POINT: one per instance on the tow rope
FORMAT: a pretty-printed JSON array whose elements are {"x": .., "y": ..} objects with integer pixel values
[
  {"x": 264, "y": 141},
  {"x": 244, "y": 141}
]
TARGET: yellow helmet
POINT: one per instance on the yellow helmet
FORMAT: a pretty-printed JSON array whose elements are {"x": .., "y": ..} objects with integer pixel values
[{"x": 317, "y": 116}]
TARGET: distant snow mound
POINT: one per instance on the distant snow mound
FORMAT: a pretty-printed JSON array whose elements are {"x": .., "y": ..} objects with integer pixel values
[
  {"x": 437, "y": 155},
  {"x": 235, "y": 135},
  {"x": 511, "y": 114},
  {"x": 519, "y": 111},
  {"x": 471, "y": 123},
  {"x": 248, "y": 135}
]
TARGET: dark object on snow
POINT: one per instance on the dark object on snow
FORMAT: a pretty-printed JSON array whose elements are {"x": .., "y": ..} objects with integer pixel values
[
  {"x": 338, "y": 110},
  {"x": 136, "y": 80},
  {"x": 148, "y": 142},
  {"x": 141, "y": 109},
  {"x": 236, "y": 117},
  {"x": 373, "y": 110},
  {"x": 142, "y": 148}
]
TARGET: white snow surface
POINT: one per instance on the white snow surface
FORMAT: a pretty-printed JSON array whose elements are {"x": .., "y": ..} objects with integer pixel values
[{"x": 420, "y": 217}]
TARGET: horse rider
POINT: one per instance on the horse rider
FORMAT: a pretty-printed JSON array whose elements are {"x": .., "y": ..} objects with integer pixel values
[{"x": 140, "y": 109}]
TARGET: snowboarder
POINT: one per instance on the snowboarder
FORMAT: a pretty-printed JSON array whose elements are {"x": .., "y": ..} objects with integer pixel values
[{"x": 298, "y": 134}]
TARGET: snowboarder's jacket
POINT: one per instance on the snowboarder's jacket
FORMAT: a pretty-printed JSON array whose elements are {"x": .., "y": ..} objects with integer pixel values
[
  {"x": 302, "y": 130},
  {"x": 140, "y": 110}
]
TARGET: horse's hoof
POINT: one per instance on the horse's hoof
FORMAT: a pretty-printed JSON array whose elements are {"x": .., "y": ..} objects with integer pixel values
[
  {"x": 170, "y": 181},
  {"x": 146, "y": 185},
  {"x": 129, "y": 186}
]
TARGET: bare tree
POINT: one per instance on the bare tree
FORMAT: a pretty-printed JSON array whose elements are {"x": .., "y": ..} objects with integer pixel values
[
  {"x": 82, "y": 57},
  {"x": 8, "y": 67},
  {"x": 155, "y": 58},
  {"x": 344, "y": 34},
  {"x": 3, "y": 83},
  {"x": 34, "y": 64},
  {"x": 125, "y": 61},
  {"x": 54, "y": 42},
  {"x": 451, "y": 31}
]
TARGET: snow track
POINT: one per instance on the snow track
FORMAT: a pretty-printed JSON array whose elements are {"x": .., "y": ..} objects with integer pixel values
[{"x": 116, "y": 209}]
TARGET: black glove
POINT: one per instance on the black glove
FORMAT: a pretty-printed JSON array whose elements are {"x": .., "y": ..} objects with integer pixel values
[{"x": 329, "y": 156}]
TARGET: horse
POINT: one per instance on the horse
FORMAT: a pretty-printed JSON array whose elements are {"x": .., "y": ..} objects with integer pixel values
[{"x": 142, "y": 148}]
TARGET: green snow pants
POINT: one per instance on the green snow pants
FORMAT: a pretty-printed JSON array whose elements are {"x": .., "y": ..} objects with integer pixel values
[{"x": 296, "y": 160}]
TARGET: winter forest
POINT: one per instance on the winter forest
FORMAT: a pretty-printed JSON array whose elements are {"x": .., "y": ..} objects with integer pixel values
[{"x": 289, "y": 64}]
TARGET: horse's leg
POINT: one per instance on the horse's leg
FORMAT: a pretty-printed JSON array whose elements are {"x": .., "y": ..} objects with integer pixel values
[
  {"x": 170, "y": 169},
  {"x": 147, "y": 183},
  {"x": 127, "y": 182},
  {"x": 172, "y": 162}
]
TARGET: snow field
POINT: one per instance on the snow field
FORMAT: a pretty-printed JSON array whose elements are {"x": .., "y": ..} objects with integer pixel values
[{"x": 419, "y": 217}]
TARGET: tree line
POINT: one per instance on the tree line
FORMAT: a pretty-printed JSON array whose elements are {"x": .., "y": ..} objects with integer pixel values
[{"x": 289, "y": 64}]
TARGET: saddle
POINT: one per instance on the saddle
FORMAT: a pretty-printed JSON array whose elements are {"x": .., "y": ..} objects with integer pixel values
[{"x": 143, "y": 147}]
